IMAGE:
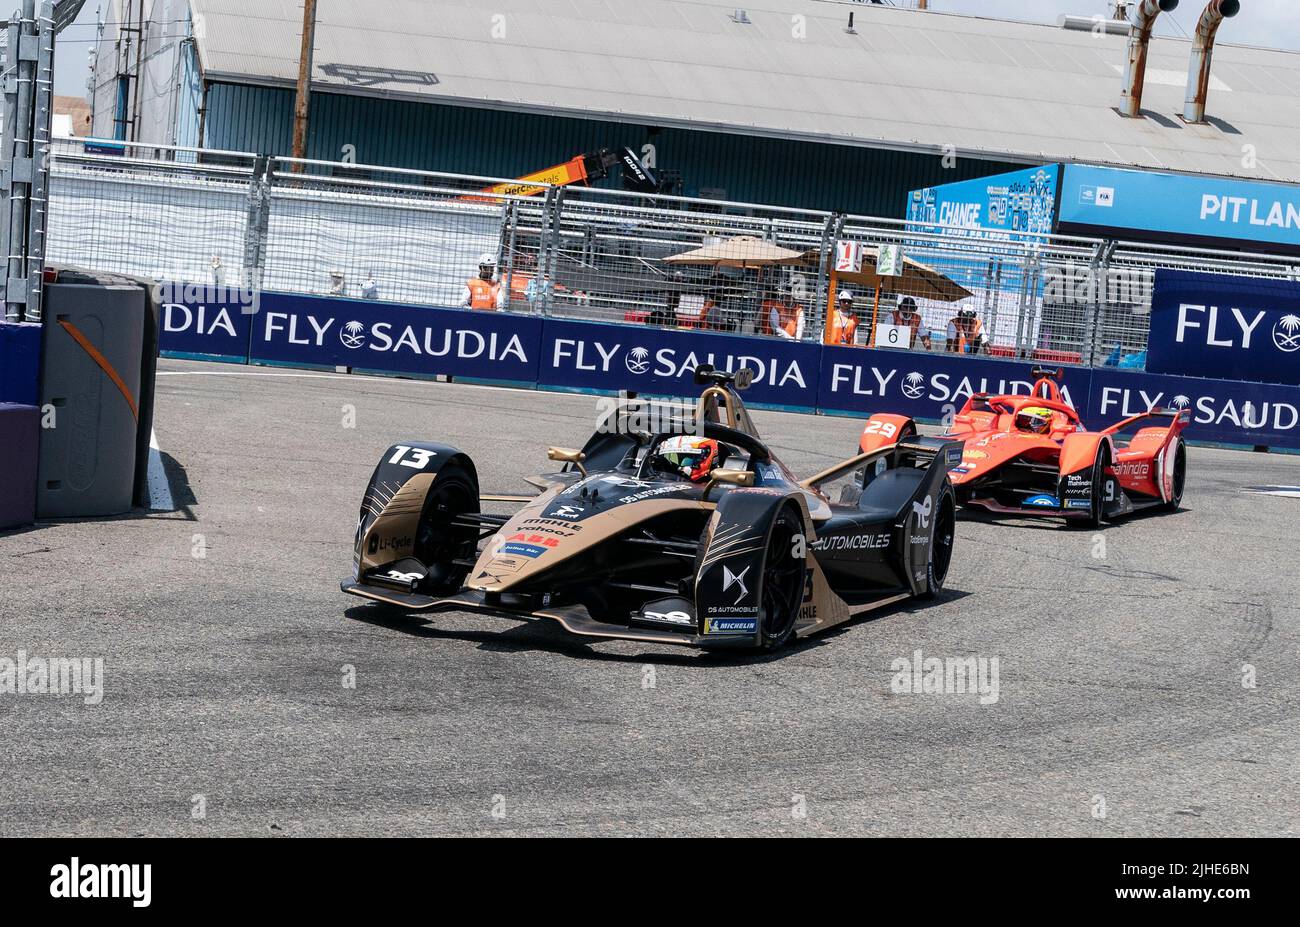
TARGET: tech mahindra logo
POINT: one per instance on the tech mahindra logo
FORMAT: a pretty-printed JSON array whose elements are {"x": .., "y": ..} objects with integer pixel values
[{"x": 1235, "y": 329}]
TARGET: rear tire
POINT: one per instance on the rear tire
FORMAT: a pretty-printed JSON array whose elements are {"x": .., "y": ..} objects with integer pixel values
[
  {"x": 784, "y": 575},
  {"x": 437, "y": 543},
  {"x": 1180, "y": 477}
]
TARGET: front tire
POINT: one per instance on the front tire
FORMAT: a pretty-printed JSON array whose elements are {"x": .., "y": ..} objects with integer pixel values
[
  {"x": 1180, "y": 477},
  {"x": 1097, "y": 513},
  {"x": 437, "y": 542},
  {"x": 784, "y": 576},
  {"x": 941, "y": 546}
]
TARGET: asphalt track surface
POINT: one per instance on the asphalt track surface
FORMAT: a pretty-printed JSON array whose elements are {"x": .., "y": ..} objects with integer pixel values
[{"x": 1121, "y": 675}]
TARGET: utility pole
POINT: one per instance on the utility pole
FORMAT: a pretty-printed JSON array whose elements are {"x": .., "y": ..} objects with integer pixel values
[{"x": 302, "y": 106}]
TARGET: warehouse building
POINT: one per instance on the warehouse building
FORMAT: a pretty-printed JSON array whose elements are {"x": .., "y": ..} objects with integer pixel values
[{"x": 810, "y": 103}]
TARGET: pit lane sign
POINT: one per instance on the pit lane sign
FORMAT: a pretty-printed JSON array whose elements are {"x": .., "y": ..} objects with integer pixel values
[{"x": 1234, "y": 328}]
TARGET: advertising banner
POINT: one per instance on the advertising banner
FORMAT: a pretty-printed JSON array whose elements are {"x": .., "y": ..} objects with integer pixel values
[
  {"x": 600, "y": 356},
  {"x": 924, "y": 384},
  {"x": 606, "y": 357},
  {"x": 1106, "y": 200},
  {"x": 1233, "y": 328},
  {"x": 205, "y": 321},
  {"x": 1222, "y": 411},
  {"x": 319, "y": 331},
  {"x": 988, "y": 207}
]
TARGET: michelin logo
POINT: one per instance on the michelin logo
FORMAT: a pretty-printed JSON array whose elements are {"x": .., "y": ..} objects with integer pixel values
[{"x": 731, "y": 625}]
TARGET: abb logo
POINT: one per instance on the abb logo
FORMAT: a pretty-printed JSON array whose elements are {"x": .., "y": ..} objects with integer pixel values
[{"x": 536, "y": 539}]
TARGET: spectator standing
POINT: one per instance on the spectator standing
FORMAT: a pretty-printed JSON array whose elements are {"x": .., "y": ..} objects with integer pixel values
[
  {"x": 906, "y": 316},
  {"x": 844, "y": 321},
  {"x": 783, "y": 317},
  {"x": 484, "y": 291},
  {"x": 338, "y": 284},
  {"x": 538, "y": 291},
  {"x": 966, "y": 333}
]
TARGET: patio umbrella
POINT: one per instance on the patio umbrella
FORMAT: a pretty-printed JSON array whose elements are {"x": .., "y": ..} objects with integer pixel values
[
  {"x": 744, "y": 251},
  {"x": 916, "y": 280}
]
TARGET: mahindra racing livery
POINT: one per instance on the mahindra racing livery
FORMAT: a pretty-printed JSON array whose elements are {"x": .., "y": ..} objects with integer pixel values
[
  {"x": 676, "y": 526},
  {"x": 1031, "y": 455}
]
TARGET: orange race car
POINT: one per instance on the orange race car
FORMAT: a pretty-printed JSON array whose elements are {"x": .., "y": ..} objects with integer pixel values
[{"x": 1031, "y": 455}]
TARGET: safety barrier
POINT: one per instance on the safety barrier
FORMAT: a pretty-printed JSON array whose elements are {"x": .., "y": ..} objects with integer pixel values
[
  {"x": 564, "y": 354},
  {"x": 409, "y": 237}
]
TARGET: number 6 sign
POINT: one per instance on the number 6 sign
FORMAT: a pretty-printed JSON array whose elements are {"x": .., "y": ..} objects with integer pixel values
[{"x": 893, "y": 336}]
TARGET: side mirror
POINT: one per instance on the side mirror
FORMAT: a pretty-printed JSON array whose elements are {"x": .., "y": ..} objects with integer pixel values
[
  {"x": 728, "y": 478},
  {"x": 568, "y": 455}
]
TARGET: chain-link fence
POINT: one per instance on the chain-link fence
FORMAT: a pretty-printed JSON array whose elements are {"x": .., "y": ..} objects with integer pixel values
[{"x": 431, "y": 239}]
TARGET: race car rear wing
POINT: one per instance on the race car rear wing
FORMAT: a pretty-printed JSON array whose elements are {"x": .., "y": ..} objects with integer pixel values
[
  {"x": 1170, "y": 417},
  {"x": 915, "y": 451}
]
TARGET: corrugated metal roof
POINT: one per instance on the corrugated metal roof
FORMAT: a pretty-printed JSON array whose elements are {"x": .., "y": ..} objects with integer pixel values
[{"x": 907, "y": 79}]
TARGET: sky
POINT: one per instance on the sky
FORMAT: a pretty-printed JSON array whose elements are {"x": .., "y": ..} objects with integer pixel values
[{"x": 1270, "y": 23}]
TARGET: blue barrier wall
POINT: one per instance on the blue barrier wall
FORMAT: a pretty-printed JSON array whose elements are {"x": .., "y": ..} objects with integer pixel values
[
  {"x": 597, "y": 356},
  {"x": 1238, "y": 328},
  {"x": 20, "y": 362}
]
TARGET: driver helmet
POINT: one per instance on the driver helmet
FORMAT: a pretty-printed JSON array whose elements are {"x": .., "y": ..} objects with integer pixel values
[
  {"x": 694, "y": 458},
  {"x": 1035, "y": 419}
]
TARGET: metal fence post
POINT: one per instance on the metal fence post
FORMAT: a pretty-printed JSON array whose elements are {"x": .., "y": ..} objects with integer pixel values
[
  {"x": 23, "y": 53},
  {"x": 830, "y": 234},
  {"x": 38, "y": 191},
  {"x": 549, "y": 245},
  {"x": 509, "y": 225},
  {"x": 257, "y": 227},
  {"x": 1098, "y": 270}
]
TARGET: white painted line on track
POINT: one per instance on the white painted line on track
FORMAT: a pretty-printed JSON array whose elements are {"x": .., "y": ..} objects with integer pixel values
[
  {"x": 160, "y": 490},
  {"x": 1289, "y": 492},
  {"x": 332, "y": 376}
]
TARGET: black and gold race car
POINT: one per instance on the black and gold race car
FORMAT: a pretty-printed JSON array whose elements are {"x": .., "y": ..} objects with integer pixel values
[{"x": 672, "y": 525}]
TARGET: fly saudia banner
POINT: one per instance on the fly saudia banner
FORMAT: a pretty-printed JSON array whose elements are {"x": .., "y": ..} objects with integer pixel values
[
  {"x": 1228, "y": 328},
  {"x": 314, "y": 331}
]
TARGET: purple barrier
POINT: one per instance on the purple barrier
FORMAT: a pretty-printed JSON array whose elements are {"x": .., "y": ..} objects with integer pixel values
[{"x": 19, "y": 436}]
